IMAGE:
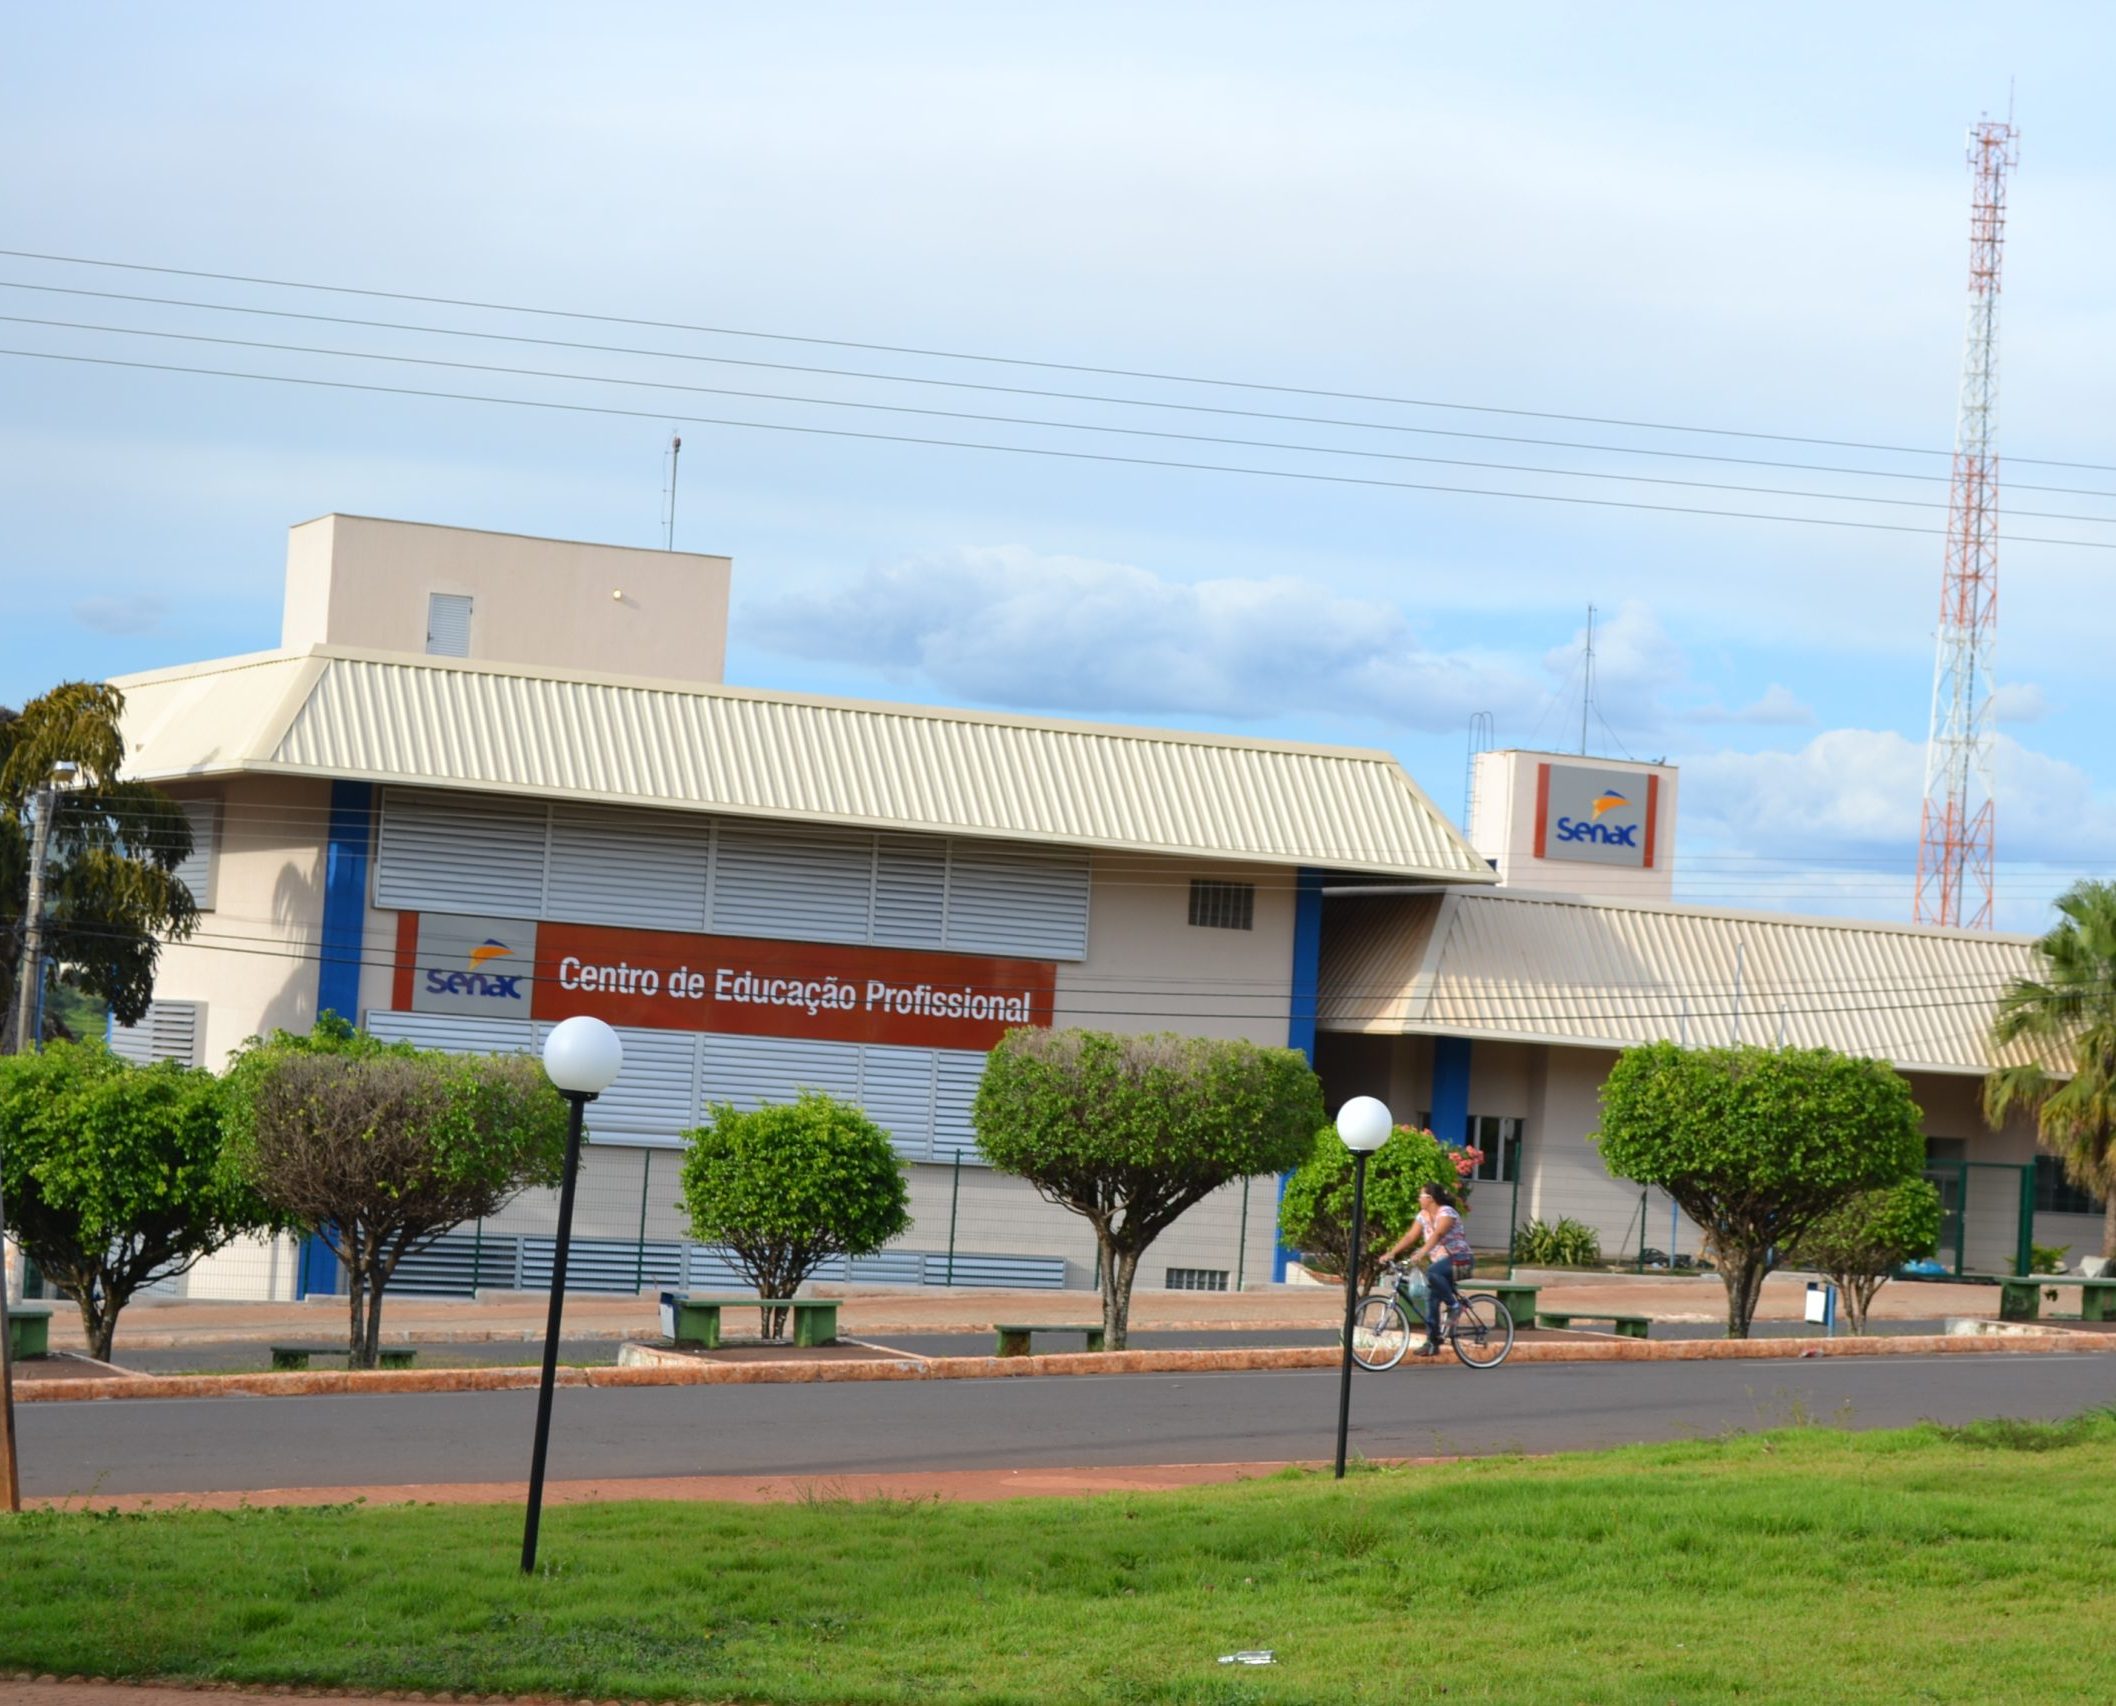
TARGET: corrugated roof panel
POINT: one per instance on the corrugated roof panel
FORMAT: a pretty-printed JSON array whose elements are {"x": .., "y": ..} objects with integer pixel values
[
  {"x": 437, "y": 722},
  {"x": 1608, "y": 975}
]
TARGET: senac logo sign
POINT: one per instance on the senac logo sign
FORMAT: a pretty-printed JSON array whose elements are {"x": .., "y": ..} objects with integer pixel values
[
  {"x": 1592, "y": 828},
  {"x": 495, "y": 986}
]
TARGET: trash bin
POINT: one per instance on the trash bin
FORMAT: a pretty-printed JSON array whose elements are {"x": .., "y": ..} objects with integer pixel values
[{"x": 668, "y": 1316}]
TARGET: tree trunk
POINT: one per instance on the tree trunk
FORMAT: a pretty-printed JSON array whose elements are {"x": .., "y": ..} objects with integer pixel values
[
  {"x": 356, "y": 1276},
  {"x": 99, "y": 1318},
  {"x": 1859, "y": 1290},
  {"x": 1118, "y": 1269},
  {"x": 2108, "y": 1223},
  {"x": 1743, "y": 1275}
]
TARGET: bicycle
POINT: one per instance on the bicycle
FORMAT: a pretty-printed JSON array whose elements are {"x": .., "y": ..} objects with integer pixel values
[{"x": 1480, "y": 1327}]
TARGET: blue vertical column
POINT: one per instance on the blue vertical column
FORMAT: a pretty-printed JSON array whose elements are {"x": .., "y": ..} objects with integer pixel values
[
  {"x": 347, "y": 856},
  {"x": 1451, "y": 1089},
  {"x": 1306, "y": 997}
]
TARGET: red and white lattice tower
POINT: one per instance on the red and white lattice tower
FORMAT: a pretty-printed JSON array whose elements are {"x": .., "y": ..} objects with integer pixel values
[{"x": 1955, "y": 836}]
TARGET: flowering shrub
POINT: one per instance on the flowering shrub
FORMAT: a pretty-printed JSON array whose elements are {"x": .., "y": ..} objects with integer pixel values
[{"x": 1466, "y": 1161}]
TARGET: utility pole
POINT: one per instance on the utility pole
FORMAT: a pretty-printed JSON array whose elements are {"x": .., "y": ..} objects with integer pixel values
[{"x": 29, "y": 979}]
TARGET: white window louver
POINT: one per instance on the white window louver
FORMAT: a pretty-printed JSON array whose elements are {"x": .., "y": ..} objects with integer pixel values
[
  {"x": 168, "y": 1030},
  {"x": 637, "y": 868},
  {"x": 956, "y": 1077},
  {"x": 448, "y": 625},
  {"x": 454, "y": 1033},
  {"x": 461, "y": 853},
  {"x": 910, "y": 891},
  {"x": 199, "y": 867},
  {"x": 1005, "y": 899},
  {"x": 750, "y": 1071},
  {"x": 896, "y": 1092},
  {"x": 811, "y": 885},
  {"x": 655, "y": 1096}
]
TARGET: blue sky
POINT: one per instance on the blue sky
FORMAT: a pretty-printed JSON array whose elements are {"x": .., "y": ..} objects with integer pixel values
[{"x": 1745, "y": 218}]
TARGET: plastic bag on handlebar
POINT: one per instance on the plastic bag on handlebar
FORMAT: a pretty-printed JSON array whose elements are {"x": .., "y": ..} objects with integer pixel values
[{"x": 1415, "y": 1287}]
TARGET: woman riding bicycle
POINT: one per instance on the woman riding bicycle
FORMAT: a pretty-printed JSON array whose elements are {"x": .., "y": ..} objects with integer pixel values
[{"x": 1443, "y": 1246}]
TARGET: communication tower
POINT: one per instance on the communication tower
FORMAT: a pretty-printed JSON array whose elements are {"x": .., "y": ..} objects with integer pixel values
[{"x": 1955, "y": 833}]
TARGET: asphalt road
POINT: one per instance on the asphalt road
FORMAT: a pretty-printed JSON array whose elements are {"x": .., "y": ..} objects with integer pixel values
[{"x": 230, "y": 1444}]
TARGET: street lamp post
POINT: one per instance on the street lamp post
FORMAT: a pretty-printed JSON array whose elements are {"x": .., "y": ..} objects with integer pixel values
[
  {"x": 1363, "y": 1125},
  {"x": 582, "y": 1057}
]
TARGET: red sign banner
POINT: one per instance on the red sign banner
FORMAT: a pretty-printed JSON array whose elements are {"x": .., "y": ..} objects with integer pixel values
[{"x": 671, "y": 980}]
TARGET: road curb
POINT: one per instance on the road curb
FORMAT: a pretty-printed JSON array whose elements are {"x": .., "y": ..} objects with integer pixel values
[{"x": 690, "y": 1372}]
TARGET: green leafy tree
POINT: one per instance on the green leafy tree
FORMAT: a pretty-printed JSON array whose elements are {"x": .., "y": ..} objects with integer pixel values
[
  {"x": 1756, "y": 1145},
  {"x": 380, "y": 1148},
  {"x": 111, "y": 890},
  {"x": 1315, "y": 1214},
  {"x": 113, "y": 1174},
  {"x": 1131, "y": 1131},
  {"x": 789, "y": 1185},
  {"x": 2067, "y": 1014},
  {"x": 1861, "y": 1242}
]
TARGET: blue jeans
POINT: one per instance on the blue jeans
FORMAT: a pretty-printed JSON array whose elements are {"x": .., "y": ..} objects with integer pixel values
[{"x": 1440, "y": 1279}]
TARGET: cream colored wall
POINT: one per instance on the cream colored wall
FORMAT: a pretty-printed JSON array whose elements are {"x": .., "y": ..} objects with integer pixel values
[
  {"x": 1148, "y": 968},
  {"x": 359, "y": 581},
  {"x": 253, "y": 960}
]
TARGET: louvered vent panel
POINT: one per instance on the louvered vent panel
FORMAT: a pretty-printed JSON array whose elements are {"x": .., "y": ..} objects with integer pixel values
[
  {"x": 1019, "y": 1273},
  {"x": 1029, "y": 901},
  {"x": 655, "y": 1097},
  {"x": 896, "y": 1090},
  {"x": 460, "y": 853},
  {"x": 910, "y": 890},
  {"x": 197, "y": 871},
  {"x": 168, "y": 1030},
  {"x": 749, "y": 1071},
  {"x": 646, "y": 869},
  {"x": 957, "y": 1074},
  {"x": 812, "y": 885},
  {"x": 454, "y": 1033}
]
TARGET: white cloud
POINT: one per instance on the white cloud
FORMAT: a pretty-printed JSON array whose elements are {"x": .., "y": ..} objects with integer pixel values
[
  {"x": 140, "y": 615},
  {"x": 2019, "y": 702},
  {"x": 1777, "y": 707},
  {"x": 1006, "y": 625}
]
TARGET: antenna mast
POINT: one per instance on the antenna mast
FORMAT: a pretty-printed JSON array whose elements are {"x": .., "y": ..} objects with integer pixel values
[
  {"x": 1955, "y": 829},
  {"x": 668, "y": 538},
  {"x": 1587, "y": 682}
]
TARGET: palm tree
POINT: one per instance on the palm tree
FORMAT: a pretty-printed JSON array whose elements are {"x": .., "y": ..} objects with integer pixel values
[{"x": 2069, "y": 1012}]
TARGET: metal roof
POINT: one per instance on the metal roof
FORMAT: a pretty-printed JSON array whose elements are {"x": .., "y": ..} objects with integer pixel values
[
  {"x": 443, "y": 722},
  {"x": 1585, "y": 973}
]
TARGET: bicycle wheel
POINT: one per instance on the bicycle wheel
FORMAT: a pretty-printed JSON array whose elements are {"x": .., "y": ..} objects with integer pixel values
[
  {"x": 1482, "y": 1331},
  {"x": 1381, "y": 1332}
]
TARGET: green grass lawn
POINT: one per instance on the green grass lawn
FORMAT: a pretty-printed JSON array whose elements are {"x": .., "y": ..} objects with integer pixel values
[{"x": 1807, "y": 1565}]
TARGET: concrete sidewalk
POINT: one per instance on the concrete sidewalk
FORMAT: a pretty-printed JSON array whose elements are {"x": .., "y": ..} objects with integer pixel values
[{"x": 155, "y": 1323}]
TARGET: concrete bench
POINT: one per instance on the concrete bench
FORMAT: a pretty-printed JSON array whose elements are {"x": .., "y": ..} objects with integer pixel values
[
  {"x": 1519, "y": 1296},
  {"x": 297, "y": 1356},
  {"x": 695, "y": 1320},
  {"x": 1016, "y": 1340},
  {"x": 1628, "y": 1326},
  {"x": 28, "y": 1329},
  {"x": 2020, "y": 1296}
]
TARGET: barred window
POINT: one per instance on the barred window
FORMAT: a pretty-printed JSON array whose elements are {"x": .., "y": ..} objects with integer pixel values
[
  {"x": 1222, "y": 906},
  {"x": 1197, "y": 1279}
]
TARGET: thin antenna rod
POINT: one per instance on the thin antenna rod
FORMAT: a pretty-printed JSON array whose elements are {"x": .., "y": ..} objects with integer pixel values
[
  {"x": 1587, "y": 682},
  {"x": 668, "y": 542}
]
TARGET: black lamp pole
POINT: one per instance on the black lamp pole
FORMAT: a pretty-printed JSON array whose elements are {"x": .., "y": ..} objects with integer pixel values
[
  {"x": 1359, "y": 1222},
  {"x": 578, "y": 1103}
]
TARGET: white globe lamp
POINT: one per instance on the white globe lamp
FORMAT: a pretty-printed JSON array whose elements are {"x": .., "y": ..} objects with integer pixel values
[
  {"x": 583, "y": 1056},
  {"x": 1364, "y": 1124}
]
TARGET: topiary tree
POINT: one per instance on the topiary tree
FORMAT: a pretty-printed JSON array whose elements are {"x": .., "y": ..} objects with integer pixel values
[
  {"x": 1131, "y": 1131},
  {"x": 113, "y": 1174},
  {"x": 1756, "y": 1145},
  {"x": 788, "y": 1186},
  {"x": 380, "y": 1148},
  {"x": 1864, "y": 1239},
  {"x": 1315, "y": 1214}
]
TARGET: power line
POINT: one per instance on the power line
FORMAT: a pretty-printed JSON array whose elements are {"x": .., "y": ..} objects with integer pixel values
[
  {"x": 865, "y": 374},
  {"x": 1034, "y": 422},
  {"x": 1006, "y": 360},
  {"x": 665, "y": 416}
]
